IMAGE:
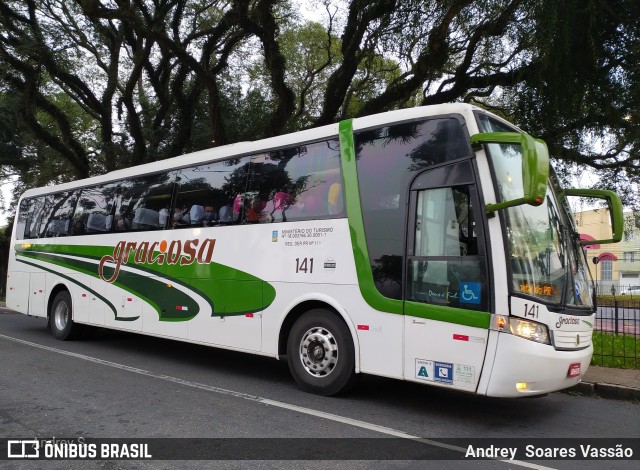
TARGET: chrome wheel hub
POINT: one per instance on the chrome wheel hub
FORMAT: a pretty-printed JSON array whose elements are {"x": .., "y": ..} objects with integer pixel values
[
  {"x": 61, "y": 316},
  {"x": 318, "y": 351}
]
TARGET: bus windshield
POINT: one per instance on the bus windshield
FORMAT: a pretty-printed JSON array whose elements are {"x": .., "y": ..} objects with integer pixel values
[{"x": 546, "y": 258}]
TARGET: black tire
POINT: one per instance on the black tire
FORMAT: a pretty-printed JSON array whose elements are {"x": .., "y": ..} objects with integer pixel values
[
  {"x": 320, "y": 353},
  {"x": 61, "y": 318}
]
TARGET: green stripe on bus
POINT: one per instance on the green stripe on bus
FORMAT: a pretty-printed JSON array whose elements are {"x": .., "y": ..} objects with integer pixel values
[
  {"x": 84, "y": 286},
  {"x": 459, "y": 316},
  {"x": 356, "y": 225},
  {"x": 163, "y": 299},
  {"x": 369, "y": 292},
  {"x": 84, "y": 251},
  {"x": 229, "y": 291}
]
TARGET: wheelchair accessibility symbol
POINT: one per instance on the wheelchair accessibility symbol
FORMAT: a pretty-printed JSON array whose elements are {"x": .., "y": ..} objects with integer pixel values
[{"x": 470, "y": 292}]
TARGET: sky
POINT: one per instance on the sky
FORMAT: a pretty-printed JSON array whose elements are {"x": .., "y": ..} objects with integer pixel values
[{"x": 7, "y": 194}]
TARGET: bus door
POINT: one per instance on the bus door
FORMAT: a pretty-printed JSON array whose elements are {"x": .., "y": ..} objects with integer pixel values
[{"x": 447, "y": 289}]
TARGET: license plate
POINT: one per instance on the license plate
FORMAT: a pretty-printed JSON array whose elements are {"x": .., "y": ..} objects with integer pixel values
[{"x": 574, "y": 370}]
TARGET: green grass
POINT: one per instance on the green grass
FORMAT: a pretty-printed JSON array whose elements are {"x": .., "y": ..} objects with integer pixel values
[{"x": 621, "y": 351}]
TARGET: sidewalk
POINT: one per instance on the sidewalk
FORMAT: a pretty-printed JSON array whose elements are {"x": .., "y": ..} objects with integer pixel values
[{"x": 606, "y": 382}]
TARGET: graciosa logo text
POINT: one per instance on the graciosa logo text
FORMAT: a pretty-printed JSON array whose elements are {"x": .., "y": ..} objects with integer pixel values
[{"x": 163, "y": 252}]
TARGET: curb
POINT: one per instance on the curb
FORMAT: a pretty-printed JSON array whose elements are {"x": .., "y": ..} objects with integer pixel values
[{"x": 604, "y": 390}]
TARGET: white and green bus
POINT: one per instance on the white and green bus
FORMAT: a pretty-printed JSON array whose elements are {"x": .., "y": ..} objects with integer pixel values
[{"x": 429, "y": 244}]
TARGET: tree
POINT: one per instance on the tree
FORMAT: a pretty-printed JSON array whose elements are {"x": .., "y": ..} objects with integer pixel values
[{"x": 96, "y": 85}]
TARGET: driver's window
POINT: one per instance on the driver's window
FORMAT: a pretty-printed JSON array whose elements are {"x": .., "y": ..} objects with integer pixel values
[
  {"x": 444, "y": 223},
  {"x": 446, "y": 267}
]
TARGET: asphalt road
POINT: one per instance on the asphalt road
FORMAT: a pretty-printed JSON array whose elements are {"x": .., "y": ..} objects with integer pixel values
[{"x": 120, "y": 385}]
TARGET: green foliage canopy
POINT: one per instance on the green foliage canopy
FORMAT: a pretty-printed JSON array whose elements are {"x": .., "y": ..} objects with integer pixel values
[{"x": 88, "y": 86}]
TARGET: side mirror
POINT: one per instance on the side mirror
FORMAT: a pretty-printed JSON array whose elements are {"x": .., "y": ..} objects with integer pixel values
[
  {"x": 521, "y": 166},
  {"x": 615, "y": 212}
]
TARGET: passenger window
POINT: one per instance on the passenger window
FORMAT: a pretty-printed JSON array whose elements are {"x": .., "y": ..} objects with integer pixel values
[
  {"x": 144, "y": 203},
  {"x": 94, "y": 211},
  {"x": 57, "y": 212},
  {"x": 24, "y": 215},
  {"x": 34, "y": 217},
  {"x": 298, "y": 183},
  {"x": 211, "y": 194}
]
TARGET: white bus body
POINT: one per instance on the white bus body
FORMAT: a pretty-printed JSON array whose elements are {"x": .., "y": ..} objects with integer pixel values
[{"x": 298, "y": 283}]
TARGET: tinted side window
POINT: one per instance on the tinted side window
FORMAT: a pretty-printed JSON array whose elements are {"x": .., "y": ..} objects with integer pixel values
[
  {"x": 298, "y": 183},
  {"x": 94, "y": 211},
  {"x": 34, "y": 217},
  {"x": 144, "y": 203},
  {"x": 24, "y": 215},
  {"x": 388, "y": 158},
  {"x": 211, "y": 194},
  {"x": 57, "y": 212},
  {"x": 489, "y": 124}
]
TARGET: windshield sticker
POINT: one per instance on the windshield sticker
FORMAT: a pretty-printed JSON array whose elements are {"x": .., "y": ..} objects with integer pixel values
[{"x": 470, "y": 293}]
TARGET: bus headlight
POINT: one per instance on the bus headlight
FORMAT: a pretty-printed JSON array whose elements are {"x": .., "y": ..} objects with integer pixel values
[{"x": 529, "y": 330}]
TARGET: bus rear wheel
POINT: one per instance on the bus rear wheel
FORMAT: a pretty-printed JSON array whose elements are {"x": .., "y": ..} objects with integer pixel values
[
  {"x": 320, "y": 353},
  {"x": 61, "y": 318}
]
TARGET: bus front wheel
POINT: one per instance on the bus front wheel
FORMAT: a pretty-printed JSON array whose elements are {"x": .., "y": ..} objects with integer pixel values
[
  {"x": 320, "y": 353},
  {"x": 61, "y": 318}
]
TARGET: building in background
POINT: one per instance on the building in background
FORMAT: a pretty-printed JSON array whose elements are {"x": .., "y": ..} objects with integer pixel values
[{"x": 618, "y": 265}]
